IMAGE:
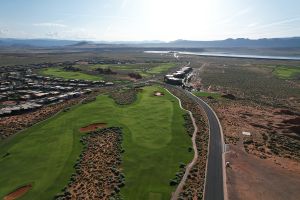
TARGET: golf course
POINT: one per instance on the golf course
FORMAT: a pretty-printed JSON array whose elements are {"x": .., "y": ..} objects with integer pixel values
[
  {"x": 154, "y": 139},
  {"x": 61, "y": 73},
  {"x": 145, "y": 69},
  {"x": 285, "y": 72}
]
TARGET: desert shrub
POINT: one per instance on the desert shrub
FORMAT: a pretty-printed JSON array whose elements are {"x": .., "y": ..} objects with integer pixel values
[
  {"x": 173, "y": 182},
  {"x": 124, "y": 97},
  {"x": 88, "y": 100},
  {"x": 248, "y": 141},
  {"x": 135, "y": 75},
  {"x": 105, "y": 71}
]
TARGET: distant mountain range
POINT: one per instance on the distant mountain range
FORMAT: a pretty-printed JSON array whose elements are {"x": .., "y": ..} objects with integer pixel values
[
  {"x": 241, "y": 42},
  {"x": 293, "y": 42},
  {"x": 35, "y": 42}
]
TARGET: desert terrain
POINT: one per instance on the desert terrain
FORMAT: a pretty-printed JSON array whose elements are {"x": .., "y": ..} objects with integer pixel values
[{"x": 258, "y": 106}]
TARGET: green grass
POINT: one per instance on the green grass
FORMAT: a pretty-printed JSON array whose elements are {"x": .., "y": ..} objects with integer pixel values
[
  {"x": 144, "y": 69},
  {"x": 58, "y": 72},
  {"x": 155, "y": 142},
  {"x": 207, "y": 94},
  {"x": 161, "y": 68},
  {"x": 115, "y": 66},
  {"x": 287, "y": 72}
]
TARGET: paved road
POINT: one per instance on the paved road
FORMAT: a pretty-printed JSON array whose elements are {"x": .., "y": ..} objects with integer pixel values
[
  {"x": 215, "y": 172},
  {"x": 215, "y": 175},
  {"x": 214, "y": 187}
]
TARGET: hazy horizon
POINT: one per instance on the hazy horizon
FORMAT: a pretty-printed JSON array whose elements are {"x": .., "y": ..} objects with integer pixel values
[
  {"x": 141, "y": 20},
  {"x": 138, "y": 41}
]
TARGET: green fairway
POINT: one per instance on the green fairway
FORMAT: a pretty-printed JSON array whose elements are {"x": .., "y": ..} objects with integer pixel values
[
  {"x": 161, "y": 68},
  {"x": 287, "y": 72},
  {"x": 58, "y": 72},
  {"x": 207, "y": 94},
  {"x": 143, "y": 69},
  {"x": 116, "y": 67},
  {"x": 155, "y": 142}
]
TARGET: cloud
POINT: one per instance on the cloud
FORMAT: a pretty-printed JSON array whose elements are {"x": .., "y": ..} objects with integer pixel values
[
  {"x": 50, "y": 24},
  {"x": 278, "y": 28},
  {"x": 252, "y": 25},
  {"x": 3, "y": 31},
  {"x": 236, "y": 15},
  {"x": 52, "y": 34},
  {"x": 124, "y": 3},
  {"x": 264, "y": 29},
  {"x": 280, "y": 22}
]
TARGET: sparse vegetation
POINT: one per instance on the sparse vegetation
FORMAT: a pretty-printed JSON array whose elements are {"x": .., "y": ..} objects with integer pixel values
[
  {"x": 124, "y": 96},
  {"x": 208, "y": 95},
  {"x": 251, "y": 79}
]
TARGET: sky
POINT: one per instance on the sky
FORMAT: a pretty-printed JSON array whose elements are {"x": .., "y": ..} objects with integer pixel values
[{"x": 140, "y": 20}]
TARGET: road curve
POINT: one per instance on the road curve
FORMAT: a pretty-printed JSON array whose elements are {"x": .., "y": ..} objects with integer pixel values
[
  {"x": 179, "y": 188},
  {"x": 215, "y": 174},
  {"x": 214, "y": 187}
]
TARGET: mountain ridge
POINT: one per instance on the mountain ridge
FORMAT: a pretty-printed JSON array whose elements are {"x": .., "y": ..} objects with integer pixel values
[{"x": 288, "y": 42}]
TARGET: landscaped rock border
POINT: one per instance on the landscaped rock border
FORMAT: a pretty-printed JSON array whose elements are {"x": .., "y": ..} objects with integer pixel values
[
  {"x": 12, "y": 124},
  {"x": 194, "y": 185},
  {"x": 98, "y": 172},
  {"x": 124, "y": 96}
]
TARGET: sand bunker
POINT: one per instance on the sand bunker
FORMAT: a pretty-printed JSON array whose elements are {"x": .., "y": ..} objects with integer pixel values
[
  {"x": 156, "y": 93},
  {"x": 18, "y": 192},
  {"x": 93, "y": 127}
]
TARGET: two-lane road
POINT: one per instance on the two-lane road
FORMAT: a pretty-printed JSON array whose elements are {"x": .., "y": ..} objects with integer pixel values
[
  {"x": 215, "y": 185},
  {"x": 214, "y": 181}
]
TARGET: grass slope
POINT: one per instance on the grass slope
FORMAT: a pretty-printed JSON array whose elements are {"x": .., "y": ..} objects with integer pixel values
[
  {"x": 161, "y": 68},
  {"x": 287, "y": 72},
  {"x": 143, "y": 69},
  {"x": 58, "y": 72},
  {"x": 155, "y": 143}
]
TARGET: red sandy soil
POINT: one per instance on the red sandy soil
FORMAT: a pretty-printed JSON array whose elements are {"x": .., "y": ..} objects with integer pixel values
[
  {"x": 93, "y": 127},
  {"x": 255, "y": 171},
  {"x": 249, "y": 177},
  {"x": 156, "y": 93},
  {"x": 9, "y": 103},
  {"x": 259, "y": 121},
  {"x": 18, "y": 193}
]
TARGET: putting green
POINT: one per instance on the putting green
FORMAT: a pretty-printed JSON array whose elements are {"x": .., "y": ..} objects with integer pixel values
[{"x": 155, "y": 142}]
